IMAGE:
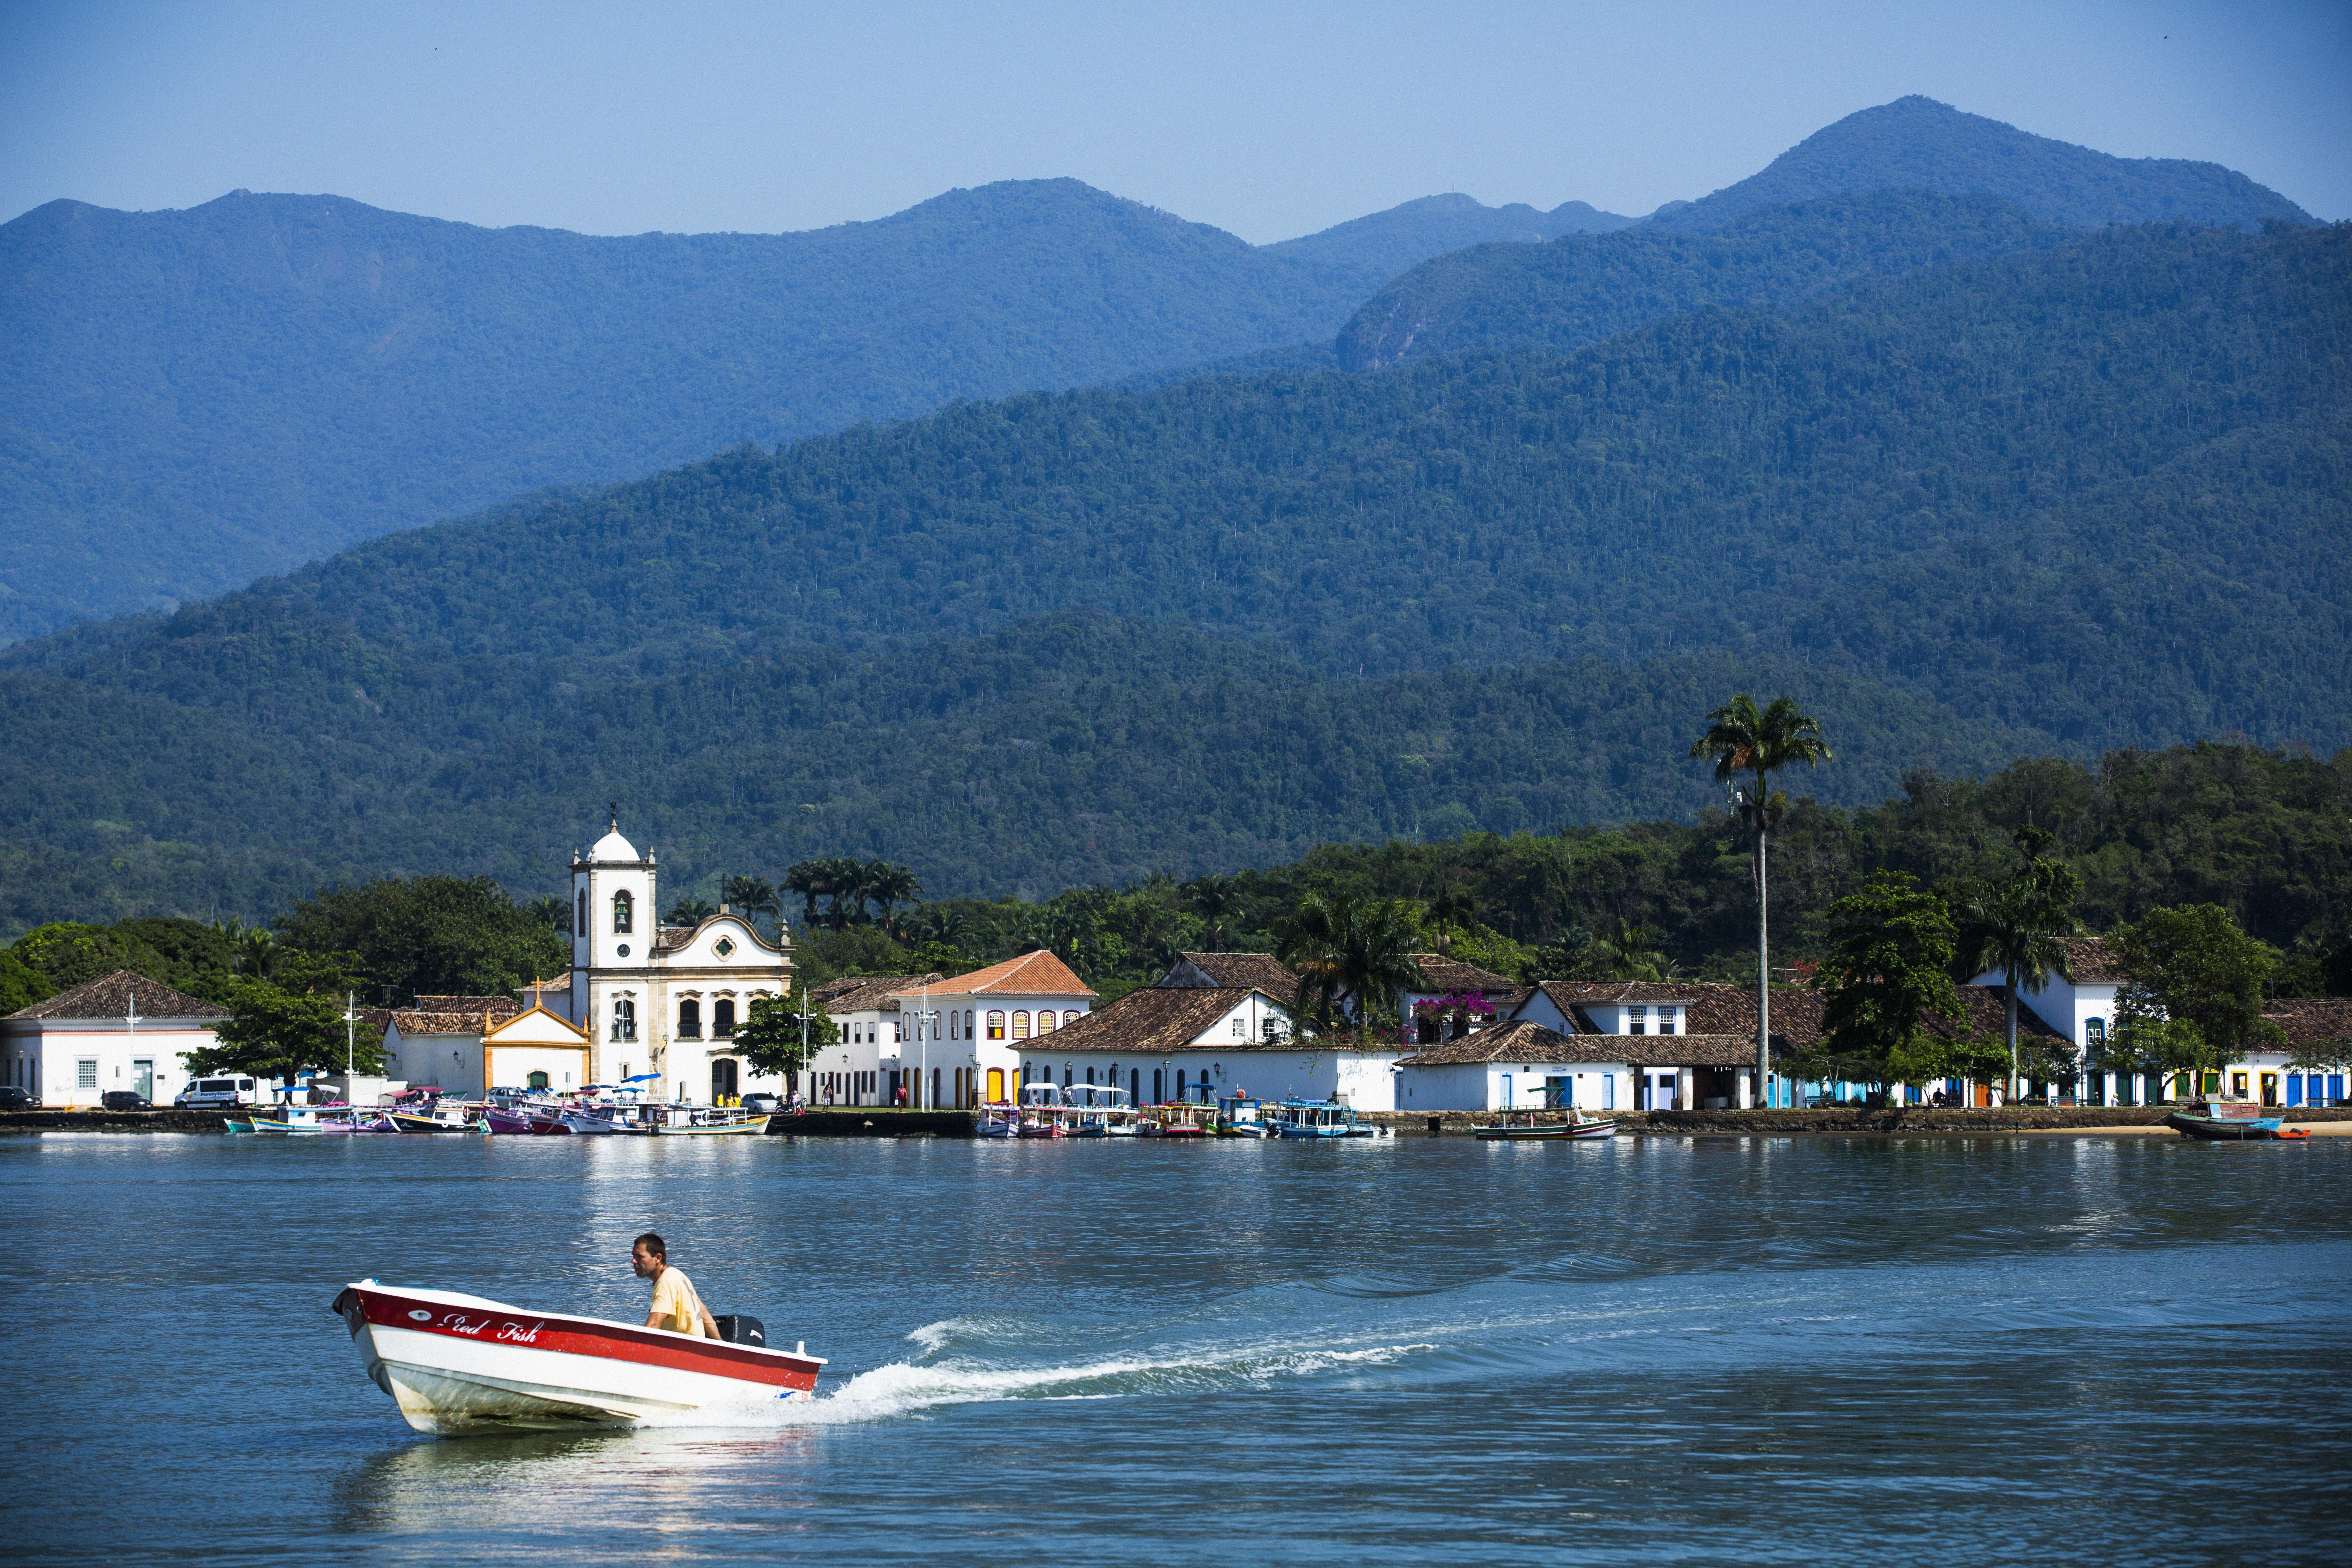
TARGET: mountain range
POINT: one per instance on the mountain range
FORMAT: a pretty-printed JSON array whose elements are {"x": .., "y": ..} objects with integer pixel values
[
  {"x": 191, "y": 399},
  {"x": 1970, "y": 482}
]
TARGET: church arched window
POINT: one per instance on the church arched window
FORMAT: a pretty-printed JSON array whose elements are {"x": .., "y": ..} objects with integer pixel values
[
  {"x": 689, "y": 1019},
  {"x": 722, "y": 1018},
  {"x": 625, "y": 1019},
  {"x": 624, "y": 913},
  {"x": 580, "y": 921}
]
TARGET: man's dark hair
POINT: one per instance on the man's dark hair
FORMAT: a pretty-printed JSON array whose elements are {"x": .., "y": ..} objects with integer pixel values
[{"x": 653, "y": 1245}]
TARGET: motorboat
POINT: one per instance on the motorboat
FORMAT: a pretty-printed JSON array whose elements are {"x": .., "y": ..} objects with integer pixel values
[
  {"x": 1184, "y": 1120},
  {"x": 997, "y": 1121},
  {"x": 1098, "y": 1111},
  {"x": 1529, "y": 1129},
  {"x": 2218, "y": 1121},
  {"x": 1239, "y": 1116},
  {"x": 498, "y": 1118},
  {"x": 705, "y": 1122},
  {"x": 1043, "y": 1111},
  {"x": 460, "y": 1365},
  {"x": 1322, "y": 1119}
]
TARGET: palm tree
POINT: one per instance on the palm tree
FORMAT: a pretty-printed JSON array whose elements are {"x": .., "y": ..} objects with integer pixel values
[
  {"x": 1215, "y": 900},
  {"x": 891, "y": 886},
  {"x": 2019, "y": 929},
  {"x": 753, "y": 896},
  {"x": 1449, "y": 915},
  {"x": 1743, "y": 741},
  {"x": 850, "y": 885},
  {"x": 690, "y": 910},
  {"x": 1628, "y": 951},
  {"x": 257, "y": 951},
  {"x": 808, "y": 879},
  {"x": 1351, "y": 953}
]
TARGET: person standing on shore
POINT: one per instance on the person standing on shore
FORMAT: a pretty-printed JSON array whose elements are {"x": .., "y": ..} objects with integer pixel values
[{"x": 675, "y": 1306}]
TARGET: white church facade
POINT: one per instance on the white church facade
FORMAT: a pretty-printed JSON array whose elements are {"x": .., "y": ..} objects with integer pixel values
[{"x": 655, "y": 999}]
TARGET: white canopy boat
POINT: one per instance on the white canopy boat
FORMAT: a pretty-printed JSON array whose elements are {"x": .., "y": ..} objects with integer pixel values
[{"x": 460, "y": 1365}]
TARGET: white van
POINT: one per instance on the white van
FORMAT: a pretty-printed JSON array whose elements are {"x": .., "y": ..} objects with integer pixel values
[{"x": 212, "y": 1091}]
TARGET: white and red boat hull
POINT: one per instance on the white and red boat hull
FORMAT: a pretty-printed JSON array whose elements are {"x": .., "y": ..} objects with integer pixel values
[{"x": 460, "y": 1365}]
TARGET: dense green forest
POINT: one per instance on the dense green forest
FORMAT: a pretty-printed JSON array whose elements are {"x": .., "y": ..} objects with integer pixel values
[
  {"x": 2264, "y": 835},
  {"x": 197, "y": 397},
  {"x": 1920, "y": 144},
  {"x": 2055, "y": 501},
  {"x": 1582, "y": 289}
]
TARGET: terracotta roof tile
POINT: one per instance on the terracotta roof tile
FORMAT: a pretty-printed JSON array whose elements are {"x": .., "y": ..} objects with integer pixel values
[
  {"x": 504, "y": 1007},
  {"x": 1158, "y": 1018},
  {"x": 111, "y": 996},
  {"x": 2091, "y": 959},
  {"x": 1259, "y": 971},
  {"x": 869, "y": 993},
  {"x": 1038, "y": 973},
  {"x": 1525, "y": 1041},
  {"x": 2311, "y": 1020}
]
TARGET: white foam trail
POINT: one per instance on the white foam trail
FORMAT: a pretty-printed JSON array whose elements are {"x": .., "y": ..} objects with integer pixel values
[{"x": 909, "y": 1387}]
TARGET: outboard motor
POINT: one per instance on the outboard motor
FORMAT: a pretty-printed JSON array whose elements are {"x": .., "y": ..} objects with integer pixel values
[{"x": 738, "y": 1330}]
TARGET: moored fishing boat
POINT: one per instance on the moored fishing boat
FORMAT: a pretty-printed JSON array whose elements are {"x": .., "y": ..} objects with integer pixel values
[
  {"x": 458, "y": 1364},
  {"x": 1042, "y": 1112},
  {"x": 997, "y": 1121},
  {"x": 2225, "y": 1121},
  {"x": 1530, "y": 1130},
  {"x": 1239, "y": 1116},
  {"x": 1322, "y": 1119},
  {"x": 700, "y": 1121},
  {"x": 1184, "y": 1120},
  {"x": 498, "y": 1119}
]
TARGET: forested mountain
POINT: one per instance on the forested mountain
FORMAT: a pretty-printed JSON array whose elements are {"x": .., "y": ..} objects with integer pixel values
[
  {"x": 2054, "y": 500},
  {"x": 193, "y": 398},
  {"x": 1915, "y": 143},
  {"x": 1584, "y": 288}
]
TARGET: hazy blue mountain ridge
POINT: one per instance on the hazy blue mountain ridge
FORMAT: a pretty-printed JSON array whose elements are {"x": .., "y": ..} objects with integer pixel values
[
  {"x": 1918, "y": 142},
  {"x": 1579, "y": 289},
  {"x": 189, "y": 399}
]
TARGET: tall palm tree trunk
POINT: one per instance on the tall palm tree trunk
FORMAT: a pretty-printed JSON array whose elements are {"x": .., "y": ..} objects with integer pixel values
[
  {"x": 2012, "y": 987},
  {"x": 1763, "y": 958}
]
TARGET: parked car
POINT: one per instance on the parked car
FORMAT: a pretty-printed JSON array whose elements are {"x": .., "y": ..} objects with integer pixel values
[
  {"x": 217, "y": 1091},
  {"x": 14, "y": 1099},
  {"x": 764, "y": 1104},
  {"x": 122, "y": 1100}
]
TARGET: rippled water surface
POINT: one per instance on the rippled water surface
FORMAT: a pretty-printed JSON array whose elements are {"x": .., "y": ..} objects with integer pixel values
[{"x": 2075, "y": 1350}]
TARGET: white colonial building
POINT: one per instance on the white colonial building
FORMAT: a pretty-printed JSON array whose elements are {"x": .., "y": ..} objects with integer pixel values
[
  {"x": 120, "y": 1031},
  {"x": 1217, "y": 1023},
  {"x": 662, "y": 999}
]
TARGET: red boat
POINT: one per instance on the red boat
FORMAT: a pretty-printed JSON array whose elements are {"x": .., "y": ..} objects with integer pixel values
[{"x": 460, "y": 1365}]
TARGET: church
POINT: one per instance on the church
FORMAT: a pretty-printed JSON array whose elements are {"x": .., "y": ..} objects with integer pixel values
[{"x": 661, "y": 999}]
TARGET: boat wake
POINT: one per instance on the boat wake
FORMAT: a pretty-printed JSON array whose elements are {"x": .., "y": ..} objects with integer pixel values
[{"x": 941, "y": 1377}]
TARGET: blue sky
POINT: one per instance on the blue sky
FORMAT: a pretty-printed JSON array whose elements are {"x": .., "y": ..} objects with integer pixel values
[{"x": 1267, "y": 119}]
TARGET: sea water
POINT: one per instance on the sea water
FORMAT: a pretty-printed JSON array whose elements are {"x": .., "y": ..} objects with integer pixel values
[{"x": 1734, "y": 1350}]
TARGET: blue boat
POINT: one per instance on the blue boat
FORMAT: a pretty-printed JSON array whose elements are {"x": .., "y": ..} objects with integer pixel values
[
  {"x": 1319, "y": 1118},
  {"x": 2221, "y": 1120}
]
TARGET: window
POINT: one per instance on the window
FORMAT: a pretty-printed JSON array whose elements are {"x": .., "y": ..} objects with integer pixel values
[
  {"x": 722, "y": 1018},
  {"x": 1070, "y": 1017},
  {"x": 625, "y": 910},
  {"x": 1090, "y": 1075},
  {"x": 722, "y": 947},
  {"x": 580, "y": 918},
  {"x": 897, "y": 1031},
  {"x": 1666, "y": 1020},
  {"x": 2095, "y": 1033},
  {"x": 625, "y": 1019},
  {"x": 1240, "y": 1028},
  {"x": 689, "y": 1020},
  {"x": 1637, "y": 1020},
  {"x": 995, "y": 1025},
  {"x": 1045, "y": 1021},
  {"x": 1020, "y": 1026},
  {"x": 86, "y": 1074}
]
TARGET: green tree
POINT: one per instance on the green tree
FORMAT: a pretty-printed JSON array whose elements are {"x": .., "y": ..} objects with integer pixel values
[
  {"x": 689, "y": 909},
  {"x": 1352, "y": 954},
  {"x": 1885, "y": 976},
  {"x": 65, "y": 953},
  {"x": 2019, "y": 927},
  {"x": 1743, "y": 741},
  {"x": 21, "y": 984},
  {"x": 2202, "y": 971},
  {"x": 195, "y": 952},
  {"x": 439, "y": 935},
  {"x": 277, "y": 1033},
  {"x": 780, "y": 1032},
  {"x": 751, "y": 896}
]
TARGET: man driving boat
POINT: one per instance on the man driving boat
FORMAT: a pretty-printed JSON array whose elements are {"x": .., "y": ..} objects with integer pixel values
[{"x": 675, "y": 1306}]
